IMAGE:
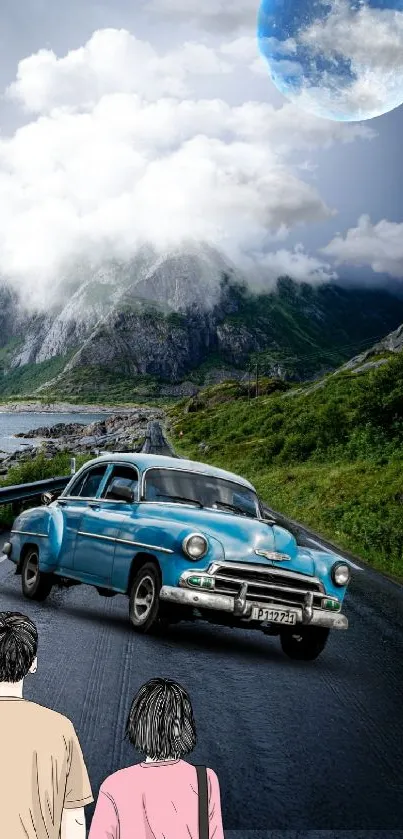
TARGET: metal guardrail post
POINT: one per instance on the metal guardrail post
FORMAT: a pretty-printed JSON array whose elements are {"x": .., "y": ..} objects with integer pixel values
[{"x": 72, "y": 466}]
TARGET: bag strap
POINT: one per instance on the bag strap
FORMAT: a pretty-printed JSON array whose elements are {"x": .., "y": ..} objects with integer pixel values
[{"x": 203, "y": 802}]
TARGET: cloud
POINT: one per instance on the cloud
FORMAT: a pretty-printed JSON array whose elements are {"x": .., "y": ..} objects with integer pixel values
[
  {"x": 355, "y": 60},
  {"x": 116, "y": 156},
  {"x": 112, "y": 61},
  {"x": 245, "y": 50},
  {"x": 296, "y": 264},
  {"x": 212, "y": 15},
  {"x": 378, "y": 245}
]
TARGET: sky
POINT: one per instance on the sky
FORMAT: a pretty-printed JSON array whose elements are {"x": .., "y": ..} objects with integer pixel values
[{"x": 157, "y": 121}]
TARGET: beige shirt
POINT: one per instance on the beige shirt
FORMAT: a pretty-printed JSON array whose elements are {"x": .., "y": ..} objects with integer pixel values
[{"x": 42, "y": 770}]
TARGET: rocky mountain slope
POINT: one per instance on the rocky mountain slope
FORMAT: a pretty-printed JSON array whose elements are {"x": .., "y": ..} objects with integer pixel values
[
  {"x": 170, "y": 324},
  {"x": 377, "y": 355}
]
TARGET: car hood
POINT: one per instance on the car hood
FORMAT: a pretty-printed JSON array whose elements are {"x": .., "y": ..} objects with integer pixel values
[{"x": 241, "y": 537}]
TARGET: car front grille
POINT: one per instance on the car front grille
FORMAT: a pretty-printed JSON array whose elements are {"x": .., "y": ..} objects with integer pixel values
[{"x": 266, "y": 583}]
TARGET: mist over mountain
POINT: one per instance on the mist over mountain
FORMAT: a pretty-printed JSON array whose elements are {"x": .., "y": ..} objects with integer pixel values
[{"x": 163, "y": 322}]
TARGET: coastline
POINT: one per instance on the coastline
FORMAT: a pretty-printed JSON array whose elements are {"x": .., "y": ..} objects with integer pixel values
[
  {"x": 64, "y": 408},
  {"x": 120, "y": 430}
]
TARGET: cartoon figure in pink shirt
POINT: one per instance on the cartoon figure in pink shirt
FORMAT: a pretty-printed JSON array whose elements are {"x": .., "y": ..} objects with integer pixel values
[{"x": 164, "y": 797}]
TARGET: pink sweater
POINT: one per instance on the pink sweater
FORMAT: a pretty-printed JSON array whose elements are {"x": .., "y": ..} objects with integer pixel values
[{"x": 155, "y": 801}]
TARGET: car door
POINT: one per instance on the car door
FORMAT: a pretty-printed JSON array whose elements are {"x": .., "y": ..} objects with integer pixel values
[
  {"x": 100, "y": 526},
  {"x": 73, "y": 506}
]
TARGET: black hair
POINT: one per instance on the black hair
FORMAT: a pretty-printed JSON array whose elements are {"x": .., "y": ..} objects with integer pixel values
[
  {"x": 160, "y": 722},
  {"x": 18, "y": 646}
]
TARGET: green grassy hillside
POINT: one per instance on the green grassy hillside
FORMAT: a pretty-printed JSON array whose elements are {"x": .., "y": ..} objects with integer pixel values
[{"x": 329, "y": 455}]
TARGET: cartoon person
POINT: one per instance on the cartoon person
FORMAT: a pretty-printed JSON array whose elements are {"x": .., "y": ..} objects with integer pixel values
[
  {"x": 164, "y": 797},
  {"x": 44, "y": 785}
]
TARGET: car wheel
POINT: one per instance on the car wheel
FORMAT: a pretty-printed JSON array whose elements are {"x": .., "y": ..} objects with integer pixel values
[
  {"x": 305, "y": 644},
  {"x": 144, "y": 598},
  {"x": 35, "y": 584}
]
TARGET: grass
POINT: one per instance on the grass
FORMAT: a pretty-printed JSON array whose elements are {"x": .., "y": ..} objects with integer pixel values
[
  {"x": 24, "y": 380},
  {"x": 331, "y": 458},
  {"x": 95, "y": 385}
]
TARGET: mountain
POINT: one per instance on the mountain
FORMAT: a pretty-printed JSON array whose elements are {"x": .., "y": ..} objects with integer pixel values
[
  {"x": 168, "y": 324},
  {"x": 377, "y": 355}
]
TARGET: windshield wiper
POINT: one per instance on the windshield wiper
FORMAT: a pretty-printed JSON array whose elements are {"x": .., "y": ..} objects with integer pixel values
[
  {"x": 180, "y": 498},
  {"x": 234, "y": 507}
]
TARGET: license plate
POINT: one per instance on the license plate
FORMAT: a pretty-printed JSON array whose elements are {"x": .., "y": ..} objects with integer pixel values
[{"x": 274, "y": 615}]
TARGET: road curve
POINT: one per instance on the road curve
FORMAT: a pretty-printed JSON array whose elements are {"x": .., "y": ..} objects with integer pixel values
[{"x": 296, "y": 746}]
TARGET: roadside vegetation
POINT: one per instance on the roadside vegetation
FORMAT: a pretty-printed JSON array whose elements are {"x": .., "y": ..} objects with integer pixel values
[
  {"x": 36, "y": 469},
  {"x": 329, "y": 455}
]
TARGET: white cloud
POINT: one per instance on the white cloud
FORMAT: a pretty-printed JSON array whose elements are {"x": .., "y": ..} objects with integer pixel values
[
  {"x": 112, "y": 61},
  {"x": 296, "y": 264},
  {"x": 378, "y": 245},
  {"x": 110, "y": 160},
  {"x": 243, "y": 49}
]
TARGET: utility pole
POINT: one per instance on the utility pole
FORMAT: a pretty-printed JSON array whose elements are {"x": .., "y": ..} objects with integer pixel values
[{"x": 257, "y": 379}]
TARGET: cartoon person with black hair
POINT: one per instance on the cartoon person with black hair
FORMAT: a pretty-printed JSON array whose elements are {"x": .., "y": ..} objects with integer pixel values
[
  {"x": 44, "y": 784},
  {"x": 164, "y": 797}
]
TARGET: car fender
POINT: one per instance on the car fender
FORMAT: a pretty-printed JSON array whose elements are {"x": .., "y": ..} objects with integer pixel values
[
  {"x": 161, "y": 541},
  {"x": 172, "y": 566},
  {"x": 40, "y": 526},
  {"x": 323, "y": 564}
]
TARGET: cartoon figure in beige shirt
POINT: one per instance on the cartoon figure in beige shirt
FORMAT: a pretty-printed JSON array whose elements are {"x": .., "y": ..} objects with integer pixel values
[{"x": 44, "y": 784}]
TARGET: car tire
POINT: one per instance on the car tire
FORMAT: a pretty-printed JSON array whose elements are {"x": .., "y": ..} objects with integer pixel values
[
  {"x": 305, "y": 644},
  {"x": 36, "y": 585},
  {"x": 144, "y": 598}
]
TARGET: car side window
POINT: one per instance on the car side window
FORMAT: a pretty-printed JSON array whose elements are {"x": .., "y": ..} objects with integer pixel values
[
  {"x": 126, "y": 476},
  {"x": 88, "y": 484}
]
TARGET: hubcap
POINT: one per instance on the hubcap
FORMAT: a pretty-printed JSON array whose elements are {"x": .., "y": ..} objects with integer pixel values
[
  {"x": 143, "y": 599},
  {"x": 31, "y": 571}
]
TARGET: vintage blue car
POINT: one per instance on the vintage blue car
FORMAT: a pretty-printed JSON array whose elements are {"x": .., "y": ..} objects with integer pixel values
[{"x": 184, "y": 541}]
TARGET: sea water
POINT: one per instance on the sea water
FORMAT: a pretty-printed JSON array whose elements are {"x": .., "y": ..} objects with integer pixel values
[{"x": 17, "y": 423}]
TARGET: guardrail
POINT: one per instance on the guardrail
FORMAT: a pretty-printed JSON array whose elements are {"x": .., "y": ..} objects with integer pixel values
[
  {"x": 155, "y": 442},
  {"x": 22, "y": 492}
]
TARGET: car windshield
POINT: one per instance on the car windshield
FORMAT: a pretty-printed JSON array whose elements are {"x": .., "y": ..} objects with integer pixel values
[{"x": 179, "y": 486}]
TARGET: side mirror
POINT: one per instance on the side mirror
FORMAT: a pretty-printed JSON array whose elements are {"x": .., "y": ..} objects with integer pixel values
[
  {"x": 47, "y": 498},
  {"x": 118, "y": 492}
]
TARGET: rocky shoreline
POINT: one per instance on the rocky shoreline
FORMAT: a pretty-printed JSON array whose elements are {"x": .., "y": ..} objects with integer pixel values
[
  {"x": 63, "y": 408},
  {"x": 118, "y": 432}
]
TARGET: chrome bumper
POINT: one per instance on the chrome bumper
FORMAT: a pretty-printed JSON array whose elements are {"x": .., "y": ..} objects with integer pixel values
[{"x": 239, "y": 608}]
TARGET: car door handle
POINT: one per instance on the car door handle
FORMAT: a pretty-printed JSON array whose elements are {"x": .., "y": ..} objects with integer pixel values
[{"x": 94, "y": 505}]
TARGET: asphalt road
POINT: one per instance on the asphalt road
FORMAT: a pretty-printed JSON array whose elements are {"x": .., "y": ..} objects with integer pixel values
[{"x": 296, "y": 746}]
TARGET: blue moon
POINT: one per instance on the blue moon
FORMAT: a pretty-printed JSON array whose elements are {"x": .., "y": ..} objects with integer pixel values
[{"x": 340, "y": 59}]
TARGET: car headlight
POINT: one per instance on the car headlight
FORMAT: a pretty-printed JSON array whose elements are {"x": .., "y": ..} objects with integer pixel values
[
  {"x": 195, "y": 546},
  {"x": 341, "y": 574}
]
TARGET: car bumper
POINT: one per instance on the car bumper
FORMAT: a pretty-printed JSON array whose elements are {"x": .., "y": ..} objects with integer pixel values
[{"x": 225, "y": 603}]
